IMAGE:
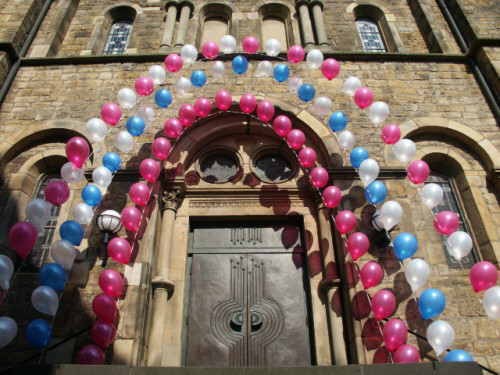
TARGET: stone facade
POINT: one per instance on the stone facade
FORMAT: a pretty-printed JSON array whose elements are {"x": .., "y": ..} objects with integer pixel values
[{"x": 428, "y": 82}]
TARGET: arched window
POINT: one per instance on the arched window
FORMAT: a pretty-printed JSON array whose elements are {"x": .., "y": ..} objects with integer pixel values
[
  {"x": 373, "y": 29},
  {"x": 121, "y": 20},
  {"x": 216, "y": 23},
  {"x": 275, "y": 24},
  {"x": 370, "y": 36}
]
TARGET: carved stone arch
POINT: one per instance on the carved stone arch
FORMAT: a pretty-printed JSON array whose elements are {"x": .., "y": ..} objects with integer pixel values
[
  {"x": 283, "y": 11},
  {"x": 220, "y": 9}
]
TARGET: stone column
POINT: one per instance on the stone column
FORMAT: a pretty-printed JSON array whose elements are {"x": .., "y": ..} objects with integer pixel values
[
  {"x": 183, "y": 25},
  {"x": 168, "y": 32},
  {"x": 161, "y": 285},
  {"x": 330, "y": 284},
  {"x": 305, "y": 22},
  {"x": 319, "y": 23}
]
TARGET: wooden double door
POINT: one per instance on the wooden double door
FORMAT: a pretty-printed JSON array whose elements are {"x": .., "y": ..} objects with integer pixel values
[{"x": 247, "y": 298}]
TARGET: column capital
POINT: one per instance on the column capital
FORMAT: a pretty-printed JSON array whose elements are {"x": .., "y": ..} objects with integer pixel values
[
  {"x": 161, "y": 283},
  {"x": 171, "y": 199},
  {"x": 313, "y": 3}
]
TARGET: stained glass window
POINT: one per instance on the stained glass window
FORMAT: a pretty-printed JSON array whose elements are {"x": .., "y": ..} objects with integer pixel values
[
  {"x": 369, "y": 33},
  {"x": 118, "y": 38}
]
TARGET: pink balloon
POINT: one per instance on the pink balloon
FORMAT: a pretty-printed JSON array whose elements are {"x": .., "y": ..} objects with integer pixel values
[
  {"x": 296, "y": 139},
  {"x": 330, "y": 68},
  {"x": 57, "y": 192},
  {"x": 282, "y": 125},
  {"x": 173, "y": 62},
  {"x": 483, "y": 275},
  {"x": 22, "y": 238},
  {"x": 319, "y": 177},
  {"x": 149, "y": 169},
  {"x": 265, "y": 111},
  {"x": 371, "y": 274},
  {"x": 395, "y": 334},
  {"x": 119, "y": 249},
  {"x": 161, "y": 148},
  {"x": 357, "y": 245},
  {"x": 383, "y": 304},
  {"x": 111, "y": 113},
  {"x": 446, "y": 222},
  {"x": 296, "y": 54},
  {"x": 210, "y": 50},
  {"x": 363, "y": 97},
  {"x": 406, "y": 354},
  {"x": 390, "y": 134},
  {"x": 307, "y": 157},
  {"x": 131, "y": 218},
  {"x": 173, "y": 128},
  {"x": 248, "y": 103},
  {"x": 202, "y": 107},
  {"x": 345, "y": 221},
  {"x": 223, "y": 100},
  {"x": 102, "y": 333},
  {"x": 90, "y": 355},
  {"x": 139, "y": 193},
  {"x": 332, "y": 196},
  {"x": 77, "y": 151},
  {"x": 250, "y": 44},
  {"x": 418, "y": 171},
  {"x": 144, "y": 86},
  {"x": 104, "y": 308},
  {"x": 111, "y": 282},
  {"x": 187, "y": 115}
]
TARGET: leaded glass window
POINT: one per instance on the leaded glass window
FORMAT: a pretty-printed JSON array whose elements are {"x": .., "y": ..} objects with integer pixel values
[
  {"x": 451, "y": 203},
  {"x": 369, "y": 33},
  {"x": 118, "y": 38}
]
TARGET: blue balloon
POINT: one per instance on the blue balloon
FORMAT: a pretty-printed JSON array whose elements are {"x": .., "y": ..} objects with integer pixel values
[
  {"x": 39, "y": 333},
  {"x": 163, "y": 98},
  {"x": 458, "y": 355},
  {"x": 136, "y": 126},
  {"x": 53, "y": 275},
  {"x": 199, "y": 78},
  {"x": 405, "y": 245},
  {"x": 358, "y": 155},
  {"x": 376, "y": 192},
  {"x": 91, "y": 194},
  {"x": 240, "y": 64},
  {"x": 71, "y": 231},
  {"x": 306, "y": 92},
  {"x": 112, "y": 161},
  {"x": 281, "y": 72},
  {"x": 337, "y": 121},
  {"x": 431, "y": 303}
]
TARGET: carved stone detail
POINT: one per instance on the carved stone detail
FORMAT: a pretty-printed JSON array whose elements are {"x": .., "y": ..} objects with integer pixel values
[{"x": 171, "y": 199}]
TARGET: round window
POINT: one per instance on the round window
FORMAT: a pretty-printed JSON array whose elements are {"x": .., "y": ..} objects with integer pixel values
[
  {"x": 272, "y": 167},
  {"x": 218, "y": 167}
]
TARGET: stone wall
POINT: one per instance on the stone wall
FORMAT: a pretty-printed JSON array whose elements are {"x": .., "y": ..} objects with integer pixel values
[{"x": 483, "y": 17}]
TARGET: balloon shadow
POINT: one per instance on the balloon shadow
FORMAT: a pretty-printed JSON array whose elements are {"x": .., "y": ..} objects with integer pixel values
[
  {"x": 361, "y": 305},
  {"x": 371, "y": 334}
]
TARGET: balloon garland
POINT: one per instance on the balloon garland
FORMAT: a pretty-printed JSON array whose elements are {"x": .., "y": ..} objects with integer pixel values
[{"x": 431, "y": 303}]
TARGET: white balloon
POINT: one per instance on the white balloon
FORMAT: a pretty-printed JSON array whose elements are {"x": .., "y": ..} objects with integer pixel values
[
  {"x": 459, "y": 245},
  {"x": 417, "y": 272},
  {"x": 378, "y": 112},
  {"x": 158, "y": 74},
  {"x": 350, "y": 85},
  {"x": 218, "y": 68},
  {"x": 83, "y": 213},
  {"x": 146, "y": 112},
  {"x": 404, "y": 150},
  {"x": 491, "y": 302},
  {"x": 440, "y": 335},
  {"x": 124, "y": 141},
  {"x": 314, "y": 59},
  {"x": 45, "y": 300},
  {"x": 322, "y": 106},
  {"x": 102, "y": 176},
  {"x": 8, "y": 330},
  {"x": 189, "y": 54},
  {"x": 127, "y": 98},
  {"x": 38, "y": 212},
  {"x": 228, "y": 44},
  {"x": 272, "y": 47},
  {"x": 64, "y": 253},
  {"x": 389, "y": 215},
  {"x": 264, "y": 69},
  {"x": 431, "y": 195},
  {"x": 97, "y": 129},
  {"x": 71, "y": 174},
  {"x": 183, "y": 86},
  {"x": 368, "y": 171},
  {"x": 6, "y": 271},
  {"x": 294, "y": 83},
  {"x": 346, "y": 139}
]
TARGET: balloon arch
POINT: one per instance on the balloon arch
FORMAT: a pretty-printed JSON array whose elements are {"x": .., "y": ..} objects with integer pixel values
[{"x": 53, "y": 276}]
